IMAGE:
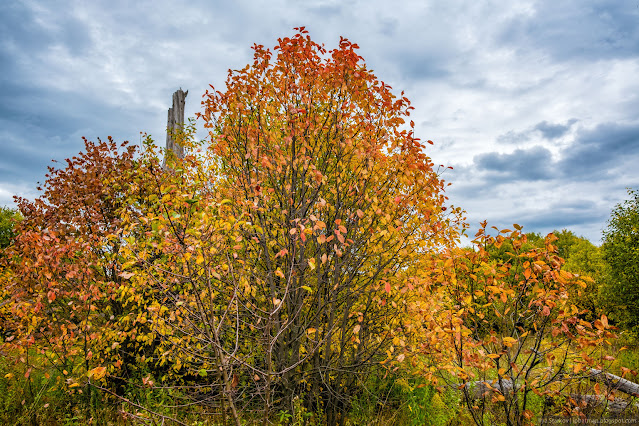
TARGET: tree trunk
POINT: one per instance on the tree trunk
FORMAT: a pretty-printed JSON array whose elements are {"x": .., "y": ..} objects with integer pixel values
[
  {"x": 175, "y": 122},
  {"x": 614, "y": 382},
  {"x": 481, "y": 388},
  {"x": 616, "y": 406}
]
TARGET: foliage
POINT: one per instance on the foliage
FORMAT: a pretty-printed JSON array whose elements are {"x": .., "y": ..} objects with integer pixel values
[
  {"x": 586, "y": 260},
  {"x": 62, "y": 271},
  {"x": 566, "y": 241},
  {"x": 291, "y": 267},
  {"x": 277, "y": 259},
  {"x": 621, "y": 253},
  {"x": 500, "y": 248},
  {"x": 286, "y": 247},
  {"x": 503, "y": 330},
  {"x": 403, "y": 398},
  {"x": 8, "y": 218},
  {"x": 581, "y": 257}
]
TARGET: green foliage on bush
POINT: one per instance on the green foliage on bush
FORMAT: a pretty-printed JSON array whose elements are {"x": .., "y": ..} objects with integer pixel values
[
  {"x": 8, "y": 216},
  {"x": 621, "y": 254}
]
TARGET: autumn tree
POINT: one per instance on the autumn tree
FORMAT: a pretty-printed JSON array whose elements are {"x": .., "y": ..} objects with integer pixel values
[
  {"x": 272, "y": 267},
  {"x": 289, "y": 249},
  {"x": 62, "y": 270},
  {"x": 504, "y": 330}
]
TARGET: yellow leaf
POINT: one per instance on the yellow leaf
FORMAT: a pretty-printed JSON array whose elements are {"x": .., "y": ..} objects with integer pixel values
[
  {"x": 509, "y": 341},
  {"x": 527, "y": 273},
  {"x": 97, "y": 373}
]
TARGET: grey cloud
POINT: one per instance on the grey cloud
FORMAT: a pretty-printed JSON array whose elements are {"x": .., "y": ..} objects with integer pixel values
[
  {"x": 571, "y": 215},
  {"x": 388, "y": 26},
  {"x": 592, "y": 155},
  {"x": 37, "y": 127},
  {"x": 523, "y": 164},
  {"x": 577, "y": 30},
  {"x": 22, "y": 30},
  {"x": 513, "y": 137},
  {"x": 600, "y": 151},
  {"x": 326, "y": 11},
  {"x": 552, "y": 130},
  {"x": 549, "y": 131}
]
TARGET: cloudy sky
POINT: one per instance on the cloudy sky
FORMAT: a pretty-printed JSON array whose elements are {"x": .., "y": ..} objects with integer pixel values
[{"x": 535, "y": 104}]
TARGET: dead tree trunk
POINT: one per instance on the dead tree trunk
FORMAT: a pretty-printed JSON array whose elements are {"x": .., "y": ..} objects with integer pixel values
[
  {"x": 481, "y": 388},
  {"x": 614, "y": 382},
  {"x": 615, "y": 406},
  {"x": 175, "y": 123}
]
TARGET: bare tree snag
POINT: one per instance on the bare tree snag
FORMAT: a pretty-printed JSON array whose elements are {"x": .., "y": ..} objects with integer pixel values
[{"x": 175, "y": 122}]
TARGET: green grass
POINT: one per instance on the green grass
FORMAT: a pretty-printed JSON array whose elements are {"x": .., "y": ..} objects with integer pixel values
[{"x": 43, "y": 398}]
